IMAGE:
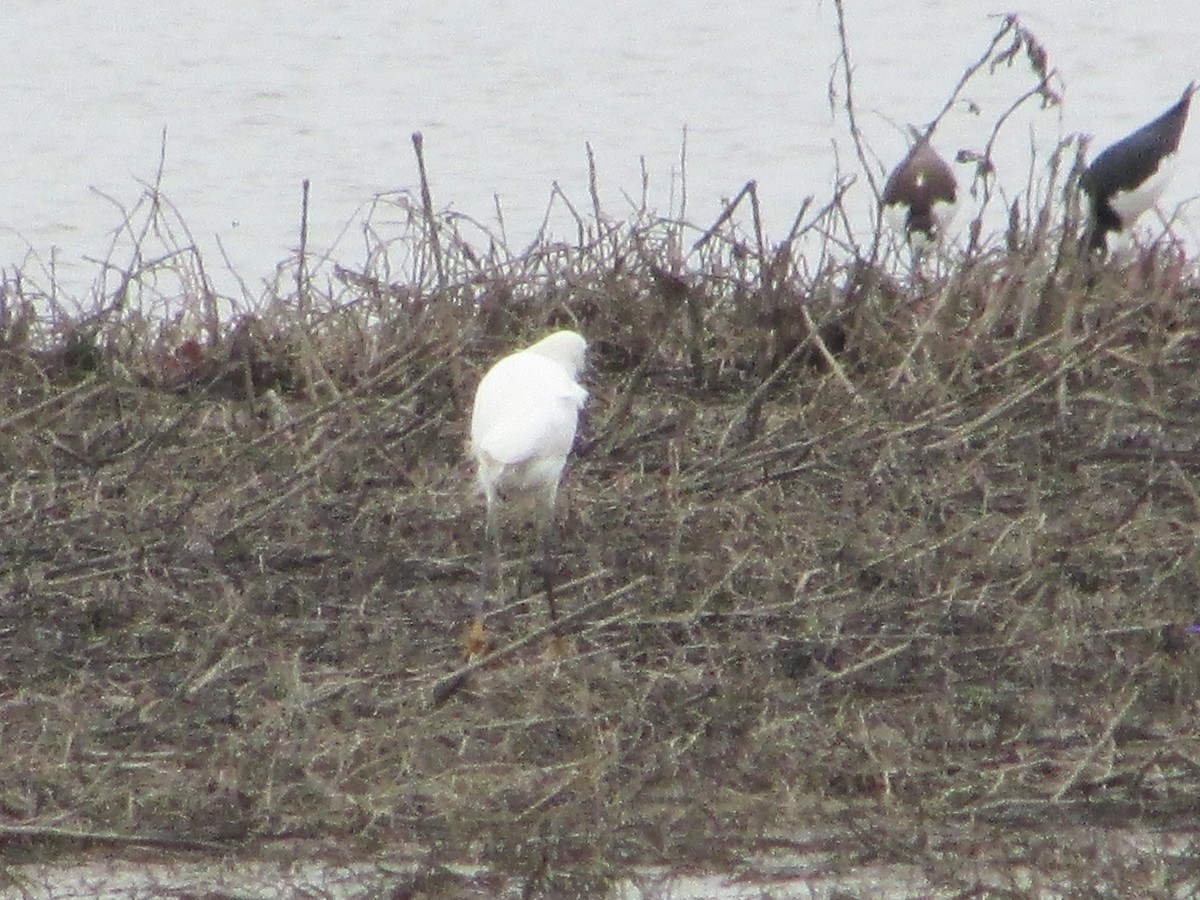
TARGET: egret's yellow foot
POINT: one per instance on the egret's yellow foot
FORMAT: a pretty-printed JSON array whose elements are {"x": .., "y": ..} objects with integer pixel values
[
  {"x": 560, "y": 646},
  {"x": 477, "y": 641}
]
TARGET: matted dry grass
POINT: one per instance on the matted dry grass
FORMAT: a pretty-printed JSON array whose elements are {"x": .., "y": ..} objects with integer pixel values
[{"x": 924, "y": 587}]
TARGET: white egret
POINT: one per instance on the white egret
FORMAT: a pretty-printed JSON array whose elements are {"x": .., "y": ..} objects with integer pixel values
[
  {"x": 1127, "y": 178},
  {"x": 523, "y": 426}
]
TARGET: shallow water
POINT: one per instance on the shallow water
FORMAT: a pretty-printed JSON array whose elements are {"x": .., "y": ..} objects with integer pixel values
[
  {"x": 256, "y": 97},
  {"x": 810, "y": 875}
]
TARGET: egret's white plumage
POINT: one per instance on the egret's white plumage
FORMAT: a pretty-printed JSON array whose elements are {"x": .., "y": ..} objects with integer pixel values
[
  {"x": 523, "y": 426},
  {"x": 525, "y": 415}
]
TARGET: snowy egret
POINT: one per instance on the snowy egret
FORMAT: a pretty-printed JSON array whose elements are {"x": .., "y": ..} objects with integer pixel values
[
  {"x": 920, "y": 195},
  {"x": 1126, "y": 179},
  {"x": 522, "y": 428}
]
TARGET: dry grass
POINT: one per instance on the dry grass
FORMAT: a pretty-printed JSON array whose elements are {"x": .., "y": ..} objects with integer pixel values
[
  {"x": 925, "y": 585},
  {"x": 907, "y": 563}
]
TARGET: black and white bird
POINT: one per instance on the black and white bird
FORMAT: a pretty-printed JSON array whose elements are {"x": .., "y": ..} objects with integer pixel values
[
  {"x": 921, "y": 195},
  {"x": 1127, "y": 178},
  {"x": 523, "y": 426}
]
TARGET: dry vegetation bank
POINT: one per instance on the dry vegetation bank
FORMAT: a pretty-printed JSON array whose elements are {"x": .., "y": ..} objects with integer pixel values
[{"x": 917, "y": 581}]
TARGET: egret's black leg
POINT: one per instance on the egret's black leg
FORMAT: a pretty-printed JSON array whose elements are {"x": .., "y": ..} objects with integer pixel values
[
  {"x": 490, "y": 582},
  {"x": 477, "y": 641},
  {"x": 548, "y": 569}
]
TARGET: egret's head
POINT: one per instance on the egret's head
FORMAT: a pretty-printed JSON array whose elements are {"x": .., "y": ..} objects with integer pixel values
[{"x": 567, "y": 348}]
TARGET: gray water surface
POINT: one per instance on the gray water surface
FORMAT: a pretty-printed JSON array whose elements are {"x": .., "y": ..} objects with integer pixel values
[{"x": 254, "y": 98}]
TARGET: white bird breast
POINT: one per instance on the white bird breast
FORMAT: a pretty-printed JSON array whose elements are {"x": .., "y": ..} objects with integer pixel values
[
  {"x": 896, "y": 216},
  {"x": 1128, "y": 205},
  {"x": 524, "y": 421}
]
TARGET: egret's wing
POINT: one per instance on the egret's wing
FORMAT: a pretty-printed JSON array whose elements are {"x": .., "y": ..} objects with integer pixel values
[
  {"x": 520, "y": 391},
  {"x": 545, "y": 431}
]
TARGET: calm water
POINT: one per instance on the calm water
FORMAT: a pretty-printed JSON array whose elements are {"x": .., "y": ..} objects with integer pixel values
[{"x": 256, "y": 97}]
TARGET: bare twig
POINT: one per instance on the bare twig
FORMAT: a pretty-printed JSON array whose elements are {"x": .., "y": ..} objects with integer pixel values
[
  {"x": 47, "y": 834},
  {"x": 435, "y": 245},
  {"x": 302, "y": 261},
  {"x": 447, "y": 687}
]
